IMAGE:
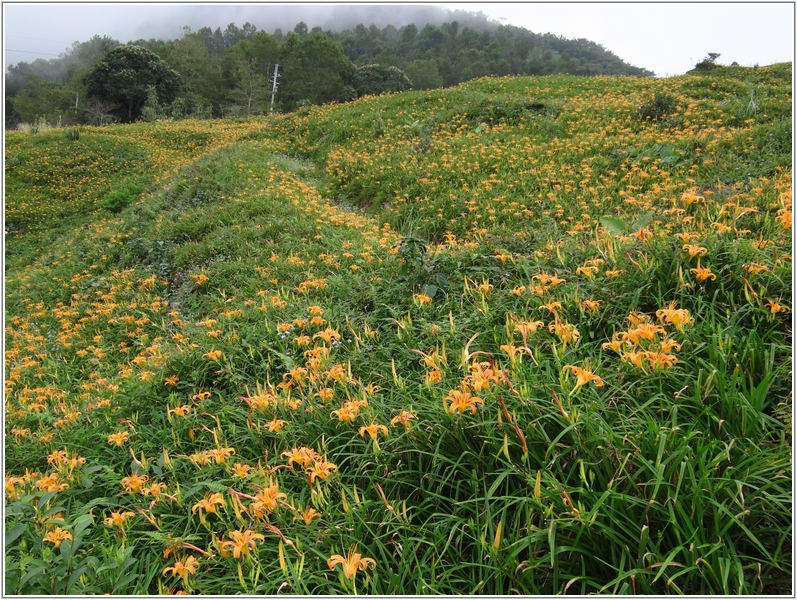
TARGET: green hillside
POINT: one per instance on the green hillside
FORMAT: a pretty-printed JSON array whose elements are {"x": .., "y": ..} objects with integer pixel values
[{"x": 525, "y": 335}]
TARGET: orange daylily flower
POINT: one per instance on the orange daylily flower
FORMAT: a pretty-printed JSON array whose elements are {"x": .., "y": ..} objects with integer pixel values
[
  {"x": 327, "y": 335},
  {"x": 241, "y": 542},
  {"x": 373, "y": 430},
  {"x": 276, "y": 425},
  {"x": 183, "y": 568},
  {"x": 303, "y": 455},
  {"x": 351, "y": 563},
  {"x": 208, "y": 505},
  {"x": 241, "y": 470},
  {"x": 583, "y": 376},
  {"x": 322, "y": 469},
  {"x": 180, "y": 410},
  {"x": 775, "y": 307},
  {"x": 678, "y": 317},
  {"x": 57, "y": 535},
  {"x": 213, "y": 354},
  {"x": 133, "y": 483},
  {"x": 660, "y": 360},
  {"x": 270, "y": 497},
  {"x": 308, "y": 514},
  {"x": 403, "y": 417},
  {"x": 462, "y": 401},
  {"x": 703, "y": 273},
  {"x": 117, "y": 519},
  {"x": 118, "y": 438},
  {"x": 421, "y": 299}
]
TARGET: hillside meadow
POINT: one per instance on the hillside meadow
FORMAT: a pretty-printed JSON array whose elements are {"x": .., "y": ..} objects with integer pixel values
[{"x": 525, "y": 335}]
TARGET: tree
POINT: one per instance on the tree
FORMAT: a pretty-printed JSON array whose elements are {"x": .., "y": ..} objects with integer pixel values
[
  {"x": 250, "y": 86},
  {"x": 83, "y": 55},
  {"x": 314, "y": 69},
  {"x": 431, "y": 39},
  {"x": 44, "y": 99},
  {"x": 152, "y": 110},
  {"x": 247, "y": 66},
  {"x": 301, "y": 29},
  {"x": 424, "y": 74},
  {"x": 212, "y": 40},
  {"x": 265, "y": 51},
  {"x": 199, "y": 70},
  {"x": 708, "y": 63},
  {"x": 124, "y": 75},
  {"x": 99, "y": 109},
  {"x": 372, "y": 80}
]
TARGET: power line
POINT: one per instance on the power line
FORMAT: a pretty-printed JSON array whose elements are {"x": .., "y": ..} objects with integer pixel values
[
  {"x": 37, "y": 39},
  {"x": 29, "y": 52}
]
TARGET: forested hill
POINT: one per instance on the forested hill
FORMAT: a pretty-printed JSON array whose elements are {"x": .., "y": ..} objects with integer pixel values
[{"x": 226, "y": 72}]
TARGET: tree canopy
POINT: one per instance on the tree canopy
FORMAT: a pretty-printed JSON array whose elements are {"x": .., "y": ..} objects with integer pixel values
[
  {"x": 228, "y": 71},
  {"x": 372, "y": 80},
  {"x": 125, "y": 74}
]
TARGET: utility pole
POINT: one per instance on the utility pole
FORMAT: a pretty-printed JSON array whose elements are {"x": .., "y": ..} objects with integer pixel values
[{"x": 274, "y": 87}]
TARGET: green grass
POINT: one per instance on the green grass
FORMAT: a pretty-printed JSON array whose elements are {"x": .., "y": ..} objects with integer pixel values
[{"x": 524, "y": 245}]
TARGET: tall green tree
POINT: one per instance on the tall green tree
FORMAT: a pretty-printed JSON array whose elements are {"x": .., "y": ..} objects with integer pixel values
[
  {"x": 424, "y": 74},
  {"x": 301, "y": 29},
  {"x": 43, "y": 99},
  {"x": 200, "y": 72},
  {"x": 247, "y": 67},
  {"x": 124, "y": 75},
  {"x": 212, "y": 40},
  {"x": 373, "y": 80},
  {"x": 314, "y": 69}
]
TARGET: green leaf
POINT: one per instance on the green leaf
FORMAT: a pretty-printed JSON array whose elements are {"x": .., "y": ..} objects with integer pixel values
[
  {"x": 33, "y": 572},
  {"x": 81, "y": 523},
  {"x": 75, "y": 576},
  {"x": 642, "y": 221},
  {"x": 286, "y": 360},
  {"x": 53, "y": 511},
  {"x": 46, "y": 498},
  {"x": 121, "y": 585},
  {"x": 13, "y": 533},
  {"x": 430, "y": 290},
  {"x": 614, "y": 225}
]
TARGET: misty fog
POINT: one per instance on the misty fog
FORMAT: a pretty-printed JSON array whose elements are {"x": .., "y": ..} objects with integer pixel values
[{"x": 269, "y": 18}]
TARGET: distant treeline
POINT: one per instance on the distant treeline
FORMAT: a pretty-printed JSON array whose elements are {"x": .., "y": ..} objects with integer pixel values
[{"x": 228, "y": 72}]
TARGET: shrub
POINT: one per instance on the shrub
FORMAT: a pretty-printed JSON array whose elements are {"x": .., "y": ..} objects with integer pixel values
[
  {"x": 661, "y": 106},
  {"x": 372, "y": 80},
  {"x": 508, "y": 110},
  {"x": 709, "y": 63},
  {"x": 115, "y": 202}
]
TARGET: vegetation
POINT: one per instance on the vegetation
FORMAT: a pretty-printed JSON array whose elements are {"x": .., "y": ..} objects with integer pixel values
[
  {"x": 511, "y": 337},
  {"x": 227, "y": 73},
  {"x": 372, "y": 80},
  {"x": 125, "y": 76}
]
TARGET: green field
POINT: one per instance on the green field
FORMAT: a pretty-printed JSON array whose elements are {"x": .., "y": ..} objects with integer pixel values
[{"x": 525, "y": 335}]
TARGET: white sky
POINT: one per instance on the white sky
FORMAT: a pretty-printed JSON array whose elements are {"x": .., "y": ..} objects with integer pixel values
[{"x": 667, "y": 38}]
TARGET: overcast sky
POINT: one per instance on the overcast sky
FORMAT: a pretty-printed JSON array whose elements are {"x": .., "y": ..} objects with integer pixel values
[{"x": 667, "y": 38}]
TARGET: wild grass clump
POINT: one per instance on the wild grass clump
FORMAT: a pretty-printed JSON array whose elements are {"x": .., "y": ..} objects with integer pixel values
[{"x": 544, "y": 356}]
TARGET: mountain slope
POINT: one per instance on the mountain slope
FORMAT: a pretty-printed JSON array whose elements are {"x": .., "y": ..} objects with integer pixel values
[{"x": 525, "y": 335}]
